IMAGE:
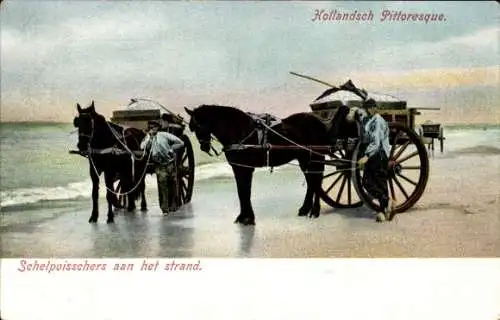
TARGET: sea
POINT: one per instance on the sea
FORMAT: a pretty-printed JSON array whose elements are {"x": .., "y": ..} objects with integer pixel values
[{"x": 36, "y": 167}]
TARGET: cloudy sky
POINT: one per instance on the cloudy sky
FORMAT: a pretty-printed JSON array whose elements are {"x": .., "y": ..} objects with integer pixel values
[{"x": 57, "y": 53}]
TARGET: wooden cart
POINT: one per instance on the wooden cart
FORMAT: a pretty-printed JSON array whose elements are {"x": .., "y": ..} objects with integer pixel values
[
  {"x": 137, "y": 114},
  {"x": 408, "y": 163}
]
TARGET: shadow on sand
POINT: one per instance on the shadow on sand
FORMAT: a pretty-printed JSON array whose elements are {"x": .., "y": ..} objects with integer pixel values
[{"x": 351, "y": 213}]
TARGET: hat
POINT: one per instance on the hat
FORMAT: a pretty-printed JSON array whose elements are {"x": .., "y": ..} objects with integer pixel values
[
  {"x": 370, "y": 103},
  {"x": 154, "y": 124}
]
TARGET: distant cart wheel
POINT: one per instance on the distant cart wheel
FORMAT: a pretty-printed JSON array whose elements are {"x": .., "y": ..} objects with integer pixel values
[
  {"x": 186, "y": 170},
  {"x": 441, "y": 139},
  {"x": 408, "y": 170},
  {"x": 338, "y": 189}
]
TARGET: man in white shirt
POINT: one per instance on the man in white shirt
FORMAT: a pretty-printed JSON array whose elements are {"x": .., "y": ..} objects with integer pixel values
[
  {"x": 163, "y": 147},
  {"x": 376, "y": 159}
]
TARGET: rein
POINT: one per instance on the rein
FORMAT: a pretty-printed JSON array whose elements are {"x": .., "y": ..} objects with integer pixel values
[
  {"x": 101, "y": 151},
  {"x": 239, "y": 146}
]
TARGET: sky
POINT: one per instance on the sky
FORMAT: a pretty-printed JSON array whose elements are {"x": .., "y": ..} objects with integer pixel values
[{"x": 57, "y": 53}]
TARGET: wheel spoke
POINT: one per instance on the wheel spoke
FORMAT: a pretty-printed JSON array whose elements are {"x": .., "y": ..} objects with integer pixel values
[
  {"x": 407, "y": 179},
  {"x": 349, "y": 200},
  {"x": 336, "y": 156},
  {"x": 341, "y": 187},
  {"x": 334, "y": 183},
  {"x": 401, "y": 187},
  {"x": 183, "y": 195},
  {"x": 184, "y": 158},
  {"x": 402, "y": 149},
  {"x": 411, "y": 155},
  {"x": 331, "y": 174},
  {"x": 342, "y": 155},
  {"x": 391, "y": 187},
  {"x": 394, "y": 145},
  {"x": 411, "y": 168}
]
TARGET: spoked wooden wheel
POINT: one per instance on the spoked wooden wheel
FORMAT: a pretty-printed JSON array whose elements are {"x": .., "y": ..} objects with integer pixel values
[
  {"x": 408, "y": 170},
  {"x": 338, "y": 187},
  {"x": 185, "y": 170}
]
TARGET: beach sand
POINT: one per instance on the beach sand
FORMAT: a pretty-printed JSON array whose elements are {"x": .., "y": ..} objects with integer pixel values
[{"x": 458, "y": 216}]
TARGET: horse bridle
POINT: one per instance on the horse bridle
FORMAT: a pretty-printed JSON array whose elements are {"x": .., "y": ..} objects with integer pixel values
[
  {"x": 196, "y": 127},
  {"x": 87, "y": 135}
]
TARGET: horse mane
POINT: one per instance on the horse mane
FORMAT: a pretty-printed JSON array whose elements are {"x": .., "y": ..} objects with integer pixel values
[{"x": 209, "y": 111}]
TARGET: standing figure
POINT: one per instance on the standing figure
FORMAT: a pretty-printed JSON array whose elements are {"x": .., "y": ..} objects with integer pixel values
[
  {"x": 163, "y": 147},
  {"x": 375, "y": 142}
]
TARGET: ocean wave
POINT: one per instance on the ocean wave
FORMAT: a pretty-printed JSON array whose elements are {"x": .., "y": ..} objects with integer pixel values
[
  {"x": 83, "y": 188},
  {"x": 32, "y": 195}
]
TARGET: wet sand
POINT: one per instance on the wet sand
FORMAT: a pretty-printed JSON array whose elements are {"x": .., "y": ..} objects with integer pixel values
[{"x": 458, "y": 216}]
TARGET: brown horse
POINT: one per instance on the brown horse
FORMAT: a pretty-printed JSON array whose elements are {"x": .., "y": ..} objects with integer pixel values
[
  {"x": 95, "y": 134},
  {"x": 232, "y": 126}
]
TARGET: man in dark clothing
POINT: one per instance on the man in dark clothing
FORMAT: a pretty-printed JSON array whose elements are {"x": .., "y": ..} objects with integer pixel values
[
  {"x": 163, "y": 146},
  {"x": 376, "y": 158}
]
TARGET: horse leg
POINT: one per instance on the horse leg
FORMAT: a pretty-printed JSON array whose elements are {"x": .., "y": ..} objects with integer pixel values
[
  {"x": 308, "y": 200},
  {"x": 132, "y": 196},
  {"x": 110, "y": 196},
  {"x": 95, "y": 195},
  {"x": 142, "y": 190},
  {"x": 316, "y": 179},
  {"x": 243, "y": 178}
]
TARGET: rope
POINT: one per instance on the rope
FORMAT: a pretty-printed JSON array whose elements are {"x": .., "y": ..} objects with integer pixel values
[
  {"x": 131, "y": 190},
  {"x": 132, "y": 156},
  {"x": 291, "y": 164},
  {"x": 113, "y": 131},
  {"x": 298, "y": 145}
]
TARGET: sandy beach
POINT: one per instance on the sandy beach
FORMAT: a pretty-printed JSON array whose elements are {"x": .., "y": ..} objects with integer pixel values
[{"x": 458, "y": 216}]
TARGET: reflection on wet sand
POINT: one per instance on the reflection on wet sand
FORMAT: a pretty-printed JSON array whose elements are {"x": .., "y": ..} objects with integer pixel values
[
  {"x": 247, "y": 234},
  {"x": 175, "y": 238},
  {"x": 467, "y": 225}
]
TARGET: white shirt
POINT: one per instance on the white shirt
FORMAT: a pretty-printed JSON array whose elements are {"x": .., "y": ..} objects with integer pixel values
[
  {"x": 376, "y": 133},
  {"x": 163, "y": 146}
]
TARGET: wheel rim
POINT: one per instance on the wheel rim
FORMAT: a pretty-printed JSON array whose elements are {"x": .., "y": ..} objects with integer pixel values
[
  {"x": 186, "y": 171},
  {"x": 408, "y": 170}
]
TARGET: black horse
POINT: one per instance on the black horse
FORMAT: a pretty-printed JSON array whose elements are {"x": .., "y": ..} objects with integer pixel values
[
  {"x": 232, "y": 126},
  {"x": 95, "y": 136}
]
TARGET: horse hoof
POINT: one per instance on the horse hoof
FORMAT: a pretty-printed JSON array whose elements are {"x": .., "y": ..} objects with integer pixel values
[
  {"x": 93, "y": 220},
  {"x": 144, "y": 208},
  {"x": 303, "y": 211},
  {"x": 245, "y": 221},
  {"x": 110, "y": 220}
]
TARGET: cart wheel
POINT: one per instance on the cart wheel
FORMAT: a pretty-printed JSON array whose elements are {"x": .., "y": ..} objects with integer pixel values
[
  {"x": 408, "y": 170},
  {"x": 186, "y": 170},
  {"x": 441, "y": 139},
  {"x": 338, "y": 189}
]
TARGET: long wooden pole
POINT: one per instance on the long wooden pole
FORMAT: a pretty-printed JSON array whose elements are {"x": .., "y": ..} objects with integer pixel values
[{"x": 313, "y": 79}]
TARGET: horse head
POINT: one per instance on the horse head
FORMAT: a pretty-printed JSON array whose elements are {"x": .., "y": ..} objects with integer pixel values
[
  {"x": 197, "y": 124},
  {"x": 86, "y": 121}
]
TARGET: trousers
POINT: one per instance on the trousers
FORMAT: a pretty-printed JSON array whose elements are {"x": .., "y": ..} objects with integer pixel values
[
  {"x": 375, "y": 178},
  {"x": 166, "y": 177}
]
